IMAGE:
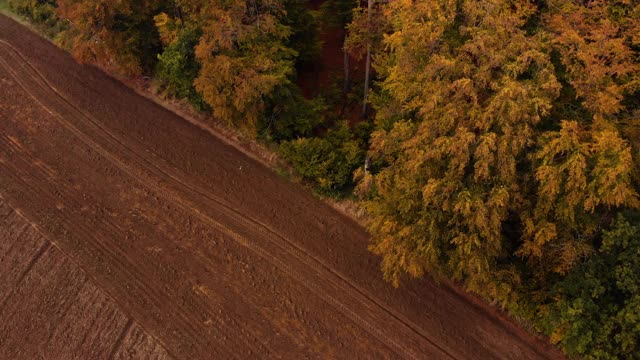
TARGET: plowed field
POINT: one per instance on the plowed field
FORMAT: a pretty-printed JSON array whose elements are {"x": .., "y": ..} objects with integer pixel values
[{"x": 165, "y": 241}]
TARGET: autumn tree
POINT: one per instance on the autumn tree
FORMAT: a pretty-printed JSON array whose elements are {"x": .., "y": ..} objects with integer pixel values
[
  {"x": 470, "y": 86},
  {"x": 584, "y": 170},
  {"x": 116, "y": 34},
  {"x": 243, "y": 57},
  {"x": 596, "y": 40},
  {"x": 479, "y": 174},
  {"x": 246, "y": 54},
  {"x": 41, "y": 13},
  {"x": 583, "y": 174}
]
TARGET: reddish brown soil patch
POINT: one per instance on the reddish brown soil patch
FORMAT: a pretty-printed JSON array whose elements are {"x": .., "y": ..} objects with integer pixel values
[
  {"x": 49, "y": 308},
  {"x": 328, "y": 70},
  {"x": 206, "y": 249},
  {"x": 322, "y": 73}
]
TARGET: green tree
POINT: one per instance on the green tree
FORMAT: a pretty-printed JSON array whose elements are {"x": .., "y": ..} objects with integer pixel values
[
  {"x": 598, "y": 314},
  {"x": 305, "y": 31},
  {"x": 40, "y": 12},
  {"x": 289, "y": 115},
  {"x": 177, "y": 67},
  {"x": 327, "y": 162}
]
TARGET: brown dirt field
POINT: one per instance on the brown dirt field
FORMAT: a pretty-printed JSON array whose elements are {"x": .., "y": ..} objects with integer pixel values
[
  {"x": 210, "y": 252},
  {"x": 50, "y": 309}
]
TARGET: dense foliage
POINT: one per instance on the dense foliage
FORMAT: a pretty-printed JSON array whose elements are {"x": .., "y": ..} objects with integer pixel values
[
  {"x": 117, "y": 34},
  {"x": 42, "y": 13},
  {"x": 504, "y": 144},
  {"x": 330, "y": 161},
  {"x": 503, "y": 154},
  {"x": 598, "y": 315}
]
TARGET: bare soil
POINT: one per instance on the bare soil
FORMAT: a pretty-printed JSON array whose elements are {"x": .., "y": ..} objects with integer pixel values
[
  {"x": 160, "y": 226},
  {"x": 51, "y": 309}
]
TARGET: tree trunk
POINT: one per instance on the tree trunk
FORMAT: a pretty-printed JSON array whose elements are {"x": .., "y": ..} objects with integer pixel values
[
  {"x": 366, "y": 81},
  {"x": 347, "y": 78},
  {"x": 367, "y": 72},
  {"x": 178, "y": 12}
]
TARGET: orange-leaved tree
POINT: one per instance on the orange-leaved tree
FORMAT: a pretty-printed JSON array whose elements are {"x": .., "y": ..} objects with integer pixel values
[
  {"x": 116, "y": 34},
  {"x": 465, "y": 87},
  {"x": 477, "y": 173},
  {"x": 584, "y": 169},
  {"x": 243, "y": 56}
]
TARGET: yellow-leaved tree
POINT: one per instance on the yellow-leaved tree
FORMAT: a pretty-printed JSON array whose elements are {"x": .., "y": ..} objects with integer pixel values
[
  {"x": 584, "y": 169},
  {"x": 243, "y": 57},
  {"x": 114, "y": 34},
  {"x": 465, "y": 87},
  {"x": 475, "y": 175}
]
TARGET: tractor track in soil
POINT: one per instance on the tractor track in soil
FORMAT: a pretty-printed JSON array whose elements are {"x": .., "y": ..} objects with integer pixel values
[
  {"x": 25, "y": 252},
  {"x": 159, "y": 184}
]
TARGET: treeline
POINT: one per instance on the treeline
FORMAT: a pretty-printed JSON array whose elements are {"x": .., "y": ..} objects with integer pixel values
[
  {"x": 237, "y": 60},
  {"x": 502, "y": 137},
  {"x": 506, "y": 156}
]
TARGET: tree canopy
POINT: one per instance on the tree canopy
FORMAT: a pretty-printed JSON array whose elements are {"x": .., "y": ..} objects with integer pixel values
[{"x": 503, "y": 149}]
